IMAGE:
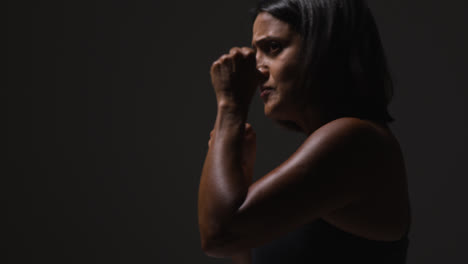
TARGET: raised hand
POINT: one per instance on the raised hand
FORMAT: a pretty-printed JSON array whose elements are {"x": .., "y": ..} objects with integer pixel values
[{"x": 235, "y": 77}]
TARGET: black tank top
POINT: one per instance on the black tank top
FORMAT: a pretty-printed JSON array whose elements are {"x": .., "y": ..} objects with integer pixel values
[{"x": 322, "y": 243}]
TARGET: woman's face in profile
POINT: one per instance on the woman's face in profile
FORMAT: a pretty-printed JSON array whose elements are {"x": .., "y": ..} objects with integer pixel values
[{"x": 278, "y": 50}]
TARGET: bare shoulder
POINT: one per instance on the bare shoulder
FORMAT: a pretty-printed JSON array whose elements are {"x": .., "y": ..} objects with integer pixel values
[
  {"x": 367, "y": 135},
  {"x": 384, "y": 213},
  {"x": 349, "y": 128},
  {"x": 349, "y": 135},
  {"x": 364, "y": 147},
  {"x": 370, "y": 148}
]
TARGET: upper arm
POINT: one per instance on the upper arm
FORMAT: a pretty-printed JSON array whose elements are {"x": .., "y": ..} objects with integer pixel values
[{"x": 330, "y": 170}]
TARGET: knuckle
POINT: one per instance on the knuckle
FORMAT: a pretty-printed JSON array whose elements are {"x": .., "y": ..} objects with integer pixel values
[
  {"x": 248, "y": 51},
  {"x": 234, "y": 50},
  {"x": 236, "y": 53},
  {"x": 214, "y": 64},
  {"x": 224, "y": 58}
]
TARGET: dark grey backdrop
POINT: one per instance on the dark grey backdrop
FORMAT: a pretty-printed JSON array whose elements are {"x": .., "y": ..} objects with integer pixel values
[{"x": 109, "y": 109}]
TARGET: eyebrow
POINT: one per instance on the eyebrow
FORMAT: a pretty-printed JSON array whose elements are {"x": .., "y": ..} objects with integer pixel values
[{"x": 263, "y": 39}]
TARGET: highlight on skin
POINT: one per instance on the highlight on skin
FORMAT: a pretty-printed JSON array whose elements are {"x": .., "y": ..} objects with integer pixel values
[{"x": 325, "y": 76}]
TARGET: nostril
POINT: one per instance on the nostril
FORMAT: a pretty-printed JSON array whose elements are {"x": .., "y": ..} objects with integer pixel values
[
  {"x": 263, "y": 74},
  {"x": 262, "y": 69}
]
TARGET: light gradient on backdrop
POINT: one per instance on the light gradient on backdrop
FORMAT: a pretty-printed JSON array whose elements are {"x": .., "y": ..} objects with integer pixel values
[{"x": 110, "y": 108}]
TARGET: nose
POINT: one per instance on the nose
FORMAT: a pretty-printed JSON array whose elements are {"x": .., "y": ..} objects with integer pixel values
[
  {"x": 262, "y": 68},
  {"x": 264, "y": 73}
]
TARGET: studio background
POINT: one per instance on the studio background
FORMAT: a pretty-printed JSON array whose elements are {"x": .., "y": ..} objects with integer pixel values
[{"x": 109, "y": 109}]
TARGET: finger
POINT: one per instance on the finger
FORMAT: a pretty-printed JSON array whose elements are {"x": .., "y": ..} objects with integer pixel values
[
  {"x": 249, "y": 132},
  {"x": 237, "y": 57},
  {"x": 227, "y": 61},
  {"x": 236, "y": 53},
  {"x": 249, "y": 56},
  {"x": 224, "y": 57},
  {"x": 246, "y": 51},
  {"x": 215, "y": 66},
  {"x": 235, "y": 50},
  {"x": 249, "y": 127}
]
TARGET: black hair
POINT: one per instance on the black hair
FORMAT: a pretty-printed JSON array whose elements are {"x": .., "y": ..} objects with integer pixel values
[{"x": 343, "y": 54}]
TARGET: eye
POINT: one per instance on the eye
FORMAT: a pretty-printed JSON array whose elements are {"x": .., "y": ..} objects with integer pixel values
[{"x": 274, "y": 47}]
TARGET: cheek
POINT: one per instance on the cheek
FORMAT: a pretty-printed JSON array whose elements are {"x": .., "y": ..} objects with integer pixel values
[
  {"x": 288, "y": 64},
  {"x": 286, "y": 75}
]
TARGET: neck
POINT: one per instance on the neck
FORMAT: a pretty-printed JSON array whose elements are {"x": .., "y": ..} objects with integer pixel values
[
  {"x": 308, "y": 120},
  {"x": 312, "y": 119}
]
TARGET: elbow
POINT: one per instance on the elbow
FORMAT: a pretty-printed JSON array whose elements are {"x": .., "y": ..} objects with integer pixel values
[
  {"x": 209, "y": 248},
  {"x": 209, "y": 235},
  {"x": 216, "y": 246},
  {"x": 217, "y": 237}
]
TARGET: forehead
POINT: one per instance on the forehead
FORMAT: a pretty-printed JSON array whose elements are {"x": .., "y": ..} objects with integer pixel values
[{"x": 266, "y": 25}]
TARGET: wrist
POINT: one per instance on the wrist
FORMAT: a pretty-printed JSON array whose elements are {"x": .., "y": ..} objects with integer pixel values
[
  {"x": 231, "y": 119},
  {"x": 227, "y": 108}
]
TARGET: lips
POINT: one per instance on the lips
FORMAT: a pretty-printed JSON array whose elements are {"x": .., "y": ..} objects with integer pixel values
[
  {"x": 265, "y": 91},
  {"x": 265, "y": 88}
]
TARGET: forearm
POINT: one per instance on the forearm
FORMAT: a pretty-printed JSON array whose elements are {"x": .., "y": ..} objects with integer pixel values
[{"x": 223, "y": 185}]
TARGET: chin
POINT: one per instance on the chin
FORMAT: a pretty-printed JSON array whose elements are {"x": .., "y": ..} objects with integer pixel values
[
  {"x": 273, "y": 108},
  {"x": 269, "y": 113},
  {"x": 289, "y": 125},
  {"x": 276, "y": 111},
  {"x": 281, "y": 118}
]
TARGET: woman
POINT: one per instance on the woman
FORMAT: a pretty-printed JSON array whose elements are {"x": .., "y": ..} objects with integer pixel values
[{"x": 342, "y": 196}]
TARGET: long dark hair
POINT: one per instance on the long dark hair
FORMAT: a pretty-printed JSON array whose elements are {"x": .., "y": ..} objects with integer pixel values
[{"x": 343, "y": 54}]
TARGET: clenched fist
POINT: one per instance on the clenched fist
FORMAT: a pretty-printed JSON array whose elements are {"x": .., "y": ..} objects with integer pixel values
[{"x": 235, "y": 77}]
